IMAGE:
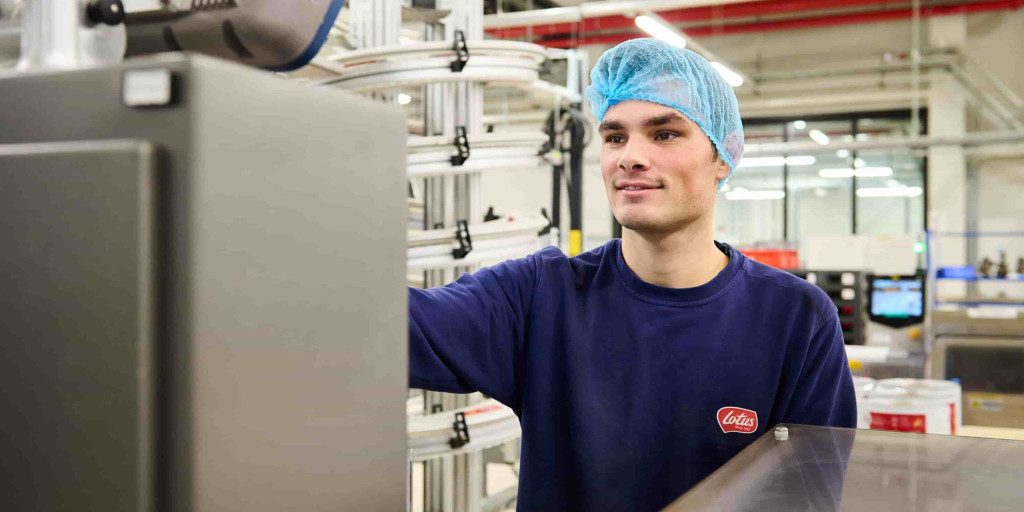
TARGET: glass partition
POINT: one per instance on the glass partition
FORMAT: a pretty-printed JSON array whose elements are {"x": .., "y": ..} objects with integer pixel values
[
  {"x": 840, "y": 192},
  {"x": 833, "y": 469}
]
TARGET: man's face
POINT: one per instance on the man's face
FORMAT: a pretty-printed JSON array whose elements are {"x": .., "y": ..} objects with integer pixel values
[{"x": 658, "y": 167}]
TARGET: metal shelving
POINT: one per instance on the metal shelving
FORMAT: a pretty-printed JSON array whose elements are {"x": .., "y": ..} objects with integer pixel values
[{"x": 973, "y": 296}]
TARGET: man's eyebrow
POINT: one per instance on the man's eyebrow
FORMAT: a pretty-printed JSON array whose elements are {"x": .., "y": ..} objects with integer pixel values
[
  {"x": 609, "y": 126},
  {"x": 666, "y": 119}
]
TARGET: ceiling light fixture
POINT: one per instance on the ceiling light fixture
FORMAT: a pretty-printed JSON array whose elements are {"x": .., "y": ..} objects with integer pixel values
[
  {"x": 657, "y": 29},
  {"x": 777, "y": 161},
  {"x": 818, "y": 136},
  {"x": 731, "y": 77},
  {"x": 862, "y": 172},
  {"x": 753, "y": 195},
  {"x": 890, "y": 192}
]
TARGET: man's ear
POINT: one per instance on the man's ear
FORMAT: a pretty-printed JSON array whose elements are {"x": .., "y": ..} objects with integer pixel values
[{"x": 722, "y": 169}]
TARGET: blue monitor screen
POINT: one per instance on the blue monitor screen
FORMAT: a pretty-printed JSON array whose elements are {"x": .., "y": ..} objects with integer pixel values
[{"x": 897, "y": 298}]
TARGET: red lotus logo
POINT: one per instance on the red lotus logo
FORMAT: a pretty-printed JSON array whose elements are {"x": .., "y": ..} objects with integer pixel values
[{"x": 735, "y": 419}]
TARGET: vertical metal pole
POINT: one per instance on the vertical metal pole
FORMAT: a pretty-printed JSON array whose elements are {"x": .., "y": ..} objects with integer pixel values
[
  {"x": 434, "y": 216},
  {"x": 924, "y": 185},
  {"x": 853, "y": 190},
  {"x": 971, "y": 223},
  {"x": 785, "y": 187},
  {"x": 915, "y": 69},
  {"x": 557, "y": 169},
  {"x": 452, "y": 481}
]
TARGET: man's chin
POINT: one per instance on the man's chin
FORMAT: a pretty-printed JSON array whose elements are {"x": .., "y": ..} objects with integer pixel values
[{"x": 641, "y": 224}]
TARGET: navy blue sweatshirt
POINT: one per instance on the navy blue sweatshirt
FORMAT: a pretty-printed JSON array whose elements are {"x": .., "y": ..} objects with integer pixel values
[{"x": 630, "y": 393}]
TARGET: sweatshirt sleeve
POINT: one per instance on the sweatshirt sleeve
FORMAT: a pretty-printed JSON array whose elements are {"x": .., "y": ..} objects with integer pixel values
[
  {"x": 824, "y": 394},
  {"x": 469, "y": 335}
]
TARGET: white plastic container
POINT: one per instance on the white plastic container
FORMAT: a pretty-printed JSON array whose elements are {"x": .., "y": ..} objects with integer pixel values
[
  {"x": 861, "y": 386},
  {"x": 905, "y": 415},
  {"x": 913, "y": 405}
]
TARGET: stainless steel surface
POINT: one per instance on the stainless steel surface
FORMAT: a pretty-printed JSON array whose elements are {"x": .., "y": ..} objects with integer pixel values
[
  {"x": 822, "y": 468},
  {"x": 990, "y": 370},
  {"x": 76, "y": 371},
  {"x": 961, "y": 322},
  {"x": 986, "y": 354},
  {"x": 281, "y": 367}
]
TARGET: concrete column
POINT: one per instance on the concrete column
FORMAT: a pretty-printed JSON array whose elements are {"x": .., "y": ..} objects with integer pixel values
[{"x": 947, "y": 169}]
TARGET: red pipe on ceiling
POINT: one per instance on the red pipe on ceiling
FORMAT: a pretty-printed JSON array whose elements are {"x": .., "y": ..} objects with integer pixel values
[
  {"x": 770, "y": 26},
  {"x": 691, "y": 14}
]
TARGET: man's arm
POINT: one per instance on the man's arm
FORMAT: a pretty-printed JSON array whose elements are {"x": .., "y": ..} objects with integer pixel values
[
  {"x": 824, "y": 393},
  {"x": 468, "y": 336}
]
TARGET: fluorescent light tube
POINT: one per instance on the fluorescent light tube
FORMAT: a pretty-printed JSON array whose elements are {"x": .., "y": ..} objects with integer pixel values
[
  {"x": 890, "y": 192},
  {"x": 836, "y": 173},
  {"x": 730, "y": 76},
  {"x": 873, "y": 172},
  {"x": 818, "y": 136},
  {"x": 763, "y": 161},
  {"x": 777, "y": 161},
  {"x": 660, "y": 31},
  {"x": 863, "y": 172},
  {"x": 753, "y": 195},
  {"x": 800, "y": 160}
]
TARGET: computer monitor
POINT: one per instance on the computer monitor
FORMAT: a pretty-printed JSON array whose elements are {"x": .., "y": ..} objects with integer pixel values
[{"x": 896, "y": 301}]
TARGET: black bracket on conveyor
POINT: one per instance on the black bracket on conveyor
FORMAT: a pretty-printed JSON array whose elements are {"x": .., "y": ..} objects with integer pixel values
[
  {"x": 547, "y": 229},
  {"x": 545, "y": 66},
  {"x": 489, "y": 216},
  {"x": 461, "y": 431},
  {"x": 461, "y": 145},
  {"x": 465, "y": 242},
  {"x": 461, "y": 52}
]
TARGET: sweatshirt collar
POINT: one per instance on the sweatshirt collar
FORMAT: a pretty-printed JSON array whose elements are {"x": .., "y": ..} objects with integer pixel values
[{"x": 678, "y": 295}]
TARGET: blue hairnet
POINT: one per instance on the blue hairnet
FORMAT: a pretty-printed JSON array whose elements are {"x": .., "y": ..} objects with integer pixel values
[{"x": 651, "y": 70}]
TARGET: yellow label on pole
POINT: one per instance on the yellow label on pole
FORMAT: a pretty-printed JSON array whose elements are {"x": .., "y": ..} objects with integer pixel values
[{"x": 575, "y": 242}]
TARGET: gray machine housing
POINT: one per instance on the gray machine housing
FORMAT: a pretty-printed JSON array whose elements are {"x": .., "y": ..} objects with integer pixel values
[{"x": 203, "y": 302}]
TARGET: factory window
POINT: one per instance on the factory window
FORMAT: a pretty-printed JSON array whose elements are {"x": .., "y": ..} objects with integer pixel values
[
  {"x": 772, "y": 200},
  {"x": 751, "y": 206}
]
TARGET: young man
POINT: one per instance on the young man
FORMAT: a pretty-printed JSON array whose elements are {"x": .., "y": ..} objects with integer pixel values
[{"x": 642, "y": 366}]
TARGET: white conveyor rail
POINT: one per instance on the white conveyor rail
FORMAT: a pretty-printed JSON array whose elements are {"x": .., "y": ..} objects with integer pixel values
[
  {"x": 431, "y": 62},
  {"x": 512, "y": 151},
  {"x": 489, "y": 423},
  {"x": 508, "y": 237}
]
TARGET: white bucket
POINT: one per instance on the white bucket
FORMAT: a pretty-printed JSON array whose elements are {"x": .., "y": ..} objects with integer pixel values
[
  {"x": 903, "y": 415},
  {"x": 927, "y": 406},
  {"x": 861, "y": 386}
]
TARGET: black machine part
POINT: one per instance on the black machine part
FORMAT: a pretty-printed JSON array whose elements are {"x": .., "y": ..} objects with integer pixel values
[
  {"x": 107, "y": 12},
  {"x": 274, "y": 35}
]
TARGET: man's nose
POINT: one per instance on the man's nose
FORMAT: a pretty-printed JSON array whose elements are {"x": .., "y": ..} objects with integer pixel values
[{"x": 633, "y": 157}]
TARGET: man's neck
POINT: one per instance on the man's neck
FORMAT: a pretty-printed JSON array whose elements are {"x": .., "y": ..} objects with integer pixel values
[{"x": 681, "y": 259}]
